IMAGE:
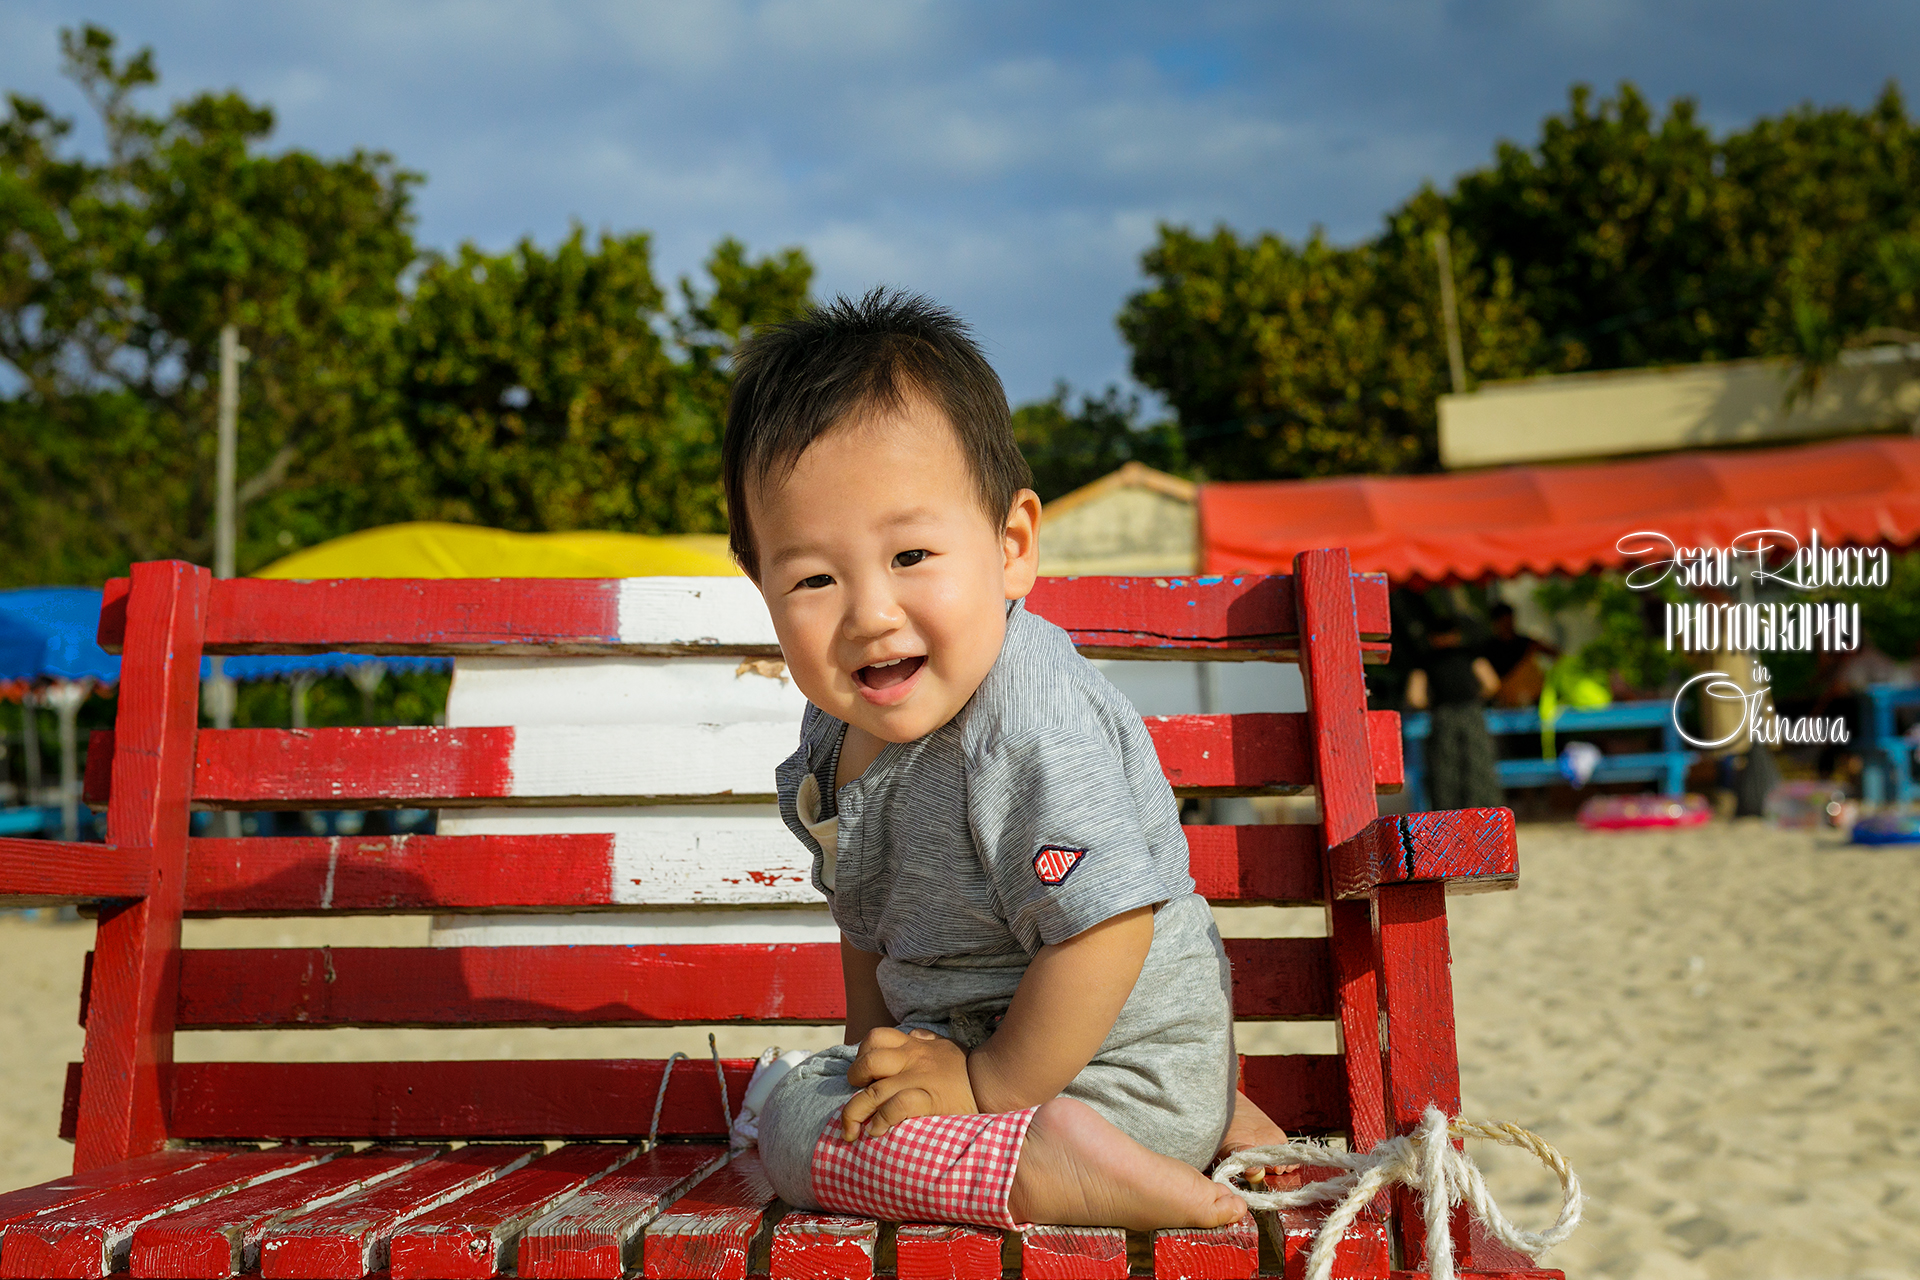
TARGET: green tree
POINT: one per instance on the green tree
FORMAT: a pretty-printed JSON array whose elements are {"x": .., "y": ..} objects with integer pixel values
[
  {"x": 533, "y": 389},
  {"x": 540, "y": 390},
  {"x": 1621, "y": 238},
  {"x": 114, "y": 283},
  {"x": 1069, "y": 447}
]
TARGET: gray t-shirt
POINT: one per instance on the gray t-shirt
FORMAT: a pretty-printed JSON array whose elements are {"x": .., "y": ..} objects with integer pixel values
[
  {"x": 1036, "y": 813},
  {"x": 1049, "y": 771}
]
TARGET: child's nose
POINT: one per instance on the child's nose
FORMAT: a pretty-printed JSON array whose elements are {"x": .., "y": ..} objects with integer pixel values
[{"x": 872, "y": 610}]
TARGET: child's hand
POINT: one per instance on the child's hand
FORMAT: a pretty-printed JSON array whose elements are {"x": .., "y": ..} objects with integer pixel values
[{"x": 901, "y": 1075}]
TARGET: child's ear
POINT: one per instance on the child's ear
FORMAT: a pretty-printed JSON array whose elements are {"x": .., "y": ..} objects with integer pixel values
[{"x": 1021, "y": 544}]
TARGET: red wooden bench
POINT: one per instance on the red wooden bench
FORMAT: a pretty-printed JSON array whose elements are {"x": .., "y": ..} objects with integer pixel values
[{"x": 214, "y": 1169}]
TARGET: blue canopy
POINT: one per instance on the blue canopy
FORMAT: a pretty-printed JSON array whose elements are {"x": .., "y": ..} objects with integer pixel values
[
  {"x": 66, "y": 619},
  {"x": 48, "y": 632}
]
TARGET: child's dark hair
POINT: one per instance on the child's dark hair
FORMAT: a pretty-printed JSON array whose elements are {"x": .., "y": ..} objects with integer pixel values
[{"x": 795, "y": 382}]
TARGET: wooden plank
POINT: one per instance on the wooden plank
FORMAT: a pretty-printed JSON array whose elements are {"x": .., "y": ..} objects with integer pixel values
[
  {"x": 711, "y": 1232},
  {"x": 91, "y": 1238},
  {"x": 1250, "y": 754},
  {"x": 129, "y": 1045},
  {"x": 1416, "y": 987},
  {"x": 222, "y": 1238},
  {"x": 1466, "y": 848},
  {"x": 942, "y": 1251},
  {"x": 1483, "y": 1255},
  {"x": 544, "y": 1098},
  {"x": 477, "y": 1235},
  {"x": 1344, "y": 763},
  {"x": 1304, "y": 1093},
  {"x": 1275, "y": 979},
  {"x": 1278, "y": 865},
  {"x": 1237, "y": 607},
  {"x": 50, "y": 873},
  {"x": 304, "y": 875},
  {"x": 62, "y": 1193},
  {"x": 661, "y": 616},
  {"x": 596, "y": 1235},
  {"x": 823, "y": 1246},
  {"x": 1267, "y": 752},
  {"x": 1362, "y": 1251},
  {"x": 313, "y": 875},
  {"x": 1231, "y": 1252},
  {"x": 348, "y": 1238},
  {"x": 690, "y": 615},
  {"x": 1073, "y": 1253}
]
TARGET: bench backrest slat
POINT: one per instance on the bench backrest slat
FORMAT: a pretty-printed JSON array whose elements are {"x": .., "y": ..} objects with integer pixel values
[
  {"x": 251, "y": 988},
  {"x": 1245, "y": 615},
  {"x": 356, "y": 875},
  {"x": 1252, "y": 753}
]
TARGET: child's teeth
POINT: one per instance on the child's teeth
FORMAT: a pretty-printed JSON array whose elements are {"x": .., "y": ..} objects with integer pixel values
[{"x": 890, "y": 663}]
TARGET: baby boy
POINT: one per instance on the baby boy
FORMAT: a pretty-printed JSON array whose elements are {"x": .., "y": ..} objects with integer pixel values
[{"x": 1039, "y": 1019}]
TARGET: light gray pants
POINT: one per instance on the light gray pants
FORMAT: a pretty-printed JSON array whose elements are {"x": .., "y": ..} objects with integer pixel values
[{"x": 1165, "y": 1075}]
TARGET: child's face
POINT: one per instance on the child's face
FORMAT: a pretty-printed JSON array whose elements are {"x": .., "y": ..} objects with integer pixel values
[{"x": 886, "y": 581}]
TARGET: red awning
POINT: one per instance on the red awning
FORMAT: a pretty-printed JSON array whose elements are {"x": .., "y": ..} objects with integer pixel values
[{"x": 1540, "y": 519}]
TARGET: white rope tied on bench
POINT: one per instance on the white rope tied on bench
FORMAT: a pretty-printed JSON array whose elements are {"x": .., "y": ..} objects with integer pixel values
[{"x": 1424, "y": 1160}]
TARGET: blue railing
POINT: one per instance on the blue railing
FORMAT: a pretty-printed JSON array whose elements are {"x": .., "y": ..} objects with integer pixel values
[
  {"x": 1667, "y": 766},
  {"x": 1888, "y": 756}
]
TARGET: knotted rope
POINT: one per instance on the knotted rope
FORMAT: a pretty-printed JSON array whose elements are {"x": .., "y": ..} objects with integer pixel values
[{"x": 1423, "y": 1160}]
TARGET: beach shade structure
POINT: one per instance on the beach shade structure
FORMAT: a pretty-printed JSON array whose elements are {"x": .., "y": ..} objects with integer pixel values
[
  {"x": 430, "y": 549},
  {"x": 1542, "y": 519},
  {"x": 47, "y": 640},
  {"x": 65, "y": 620}
]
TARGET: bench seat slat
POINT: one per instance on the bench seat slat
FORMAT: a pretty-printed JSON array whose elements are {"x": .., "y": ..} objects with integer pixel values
[
  {"x": 312, "y": 875},
  {"x": 711, "y": 1231},
  {"x": 222, "y": 1238},
  {"x": 823, "y": 1246},
  {"x": 596, "y": 1234},
  {"x": 657, "y": 616},
  {"x": 66, "y": 1192},
  {"x": 349, "y": 1238},
  {"x": 1248, "y": 754},
  {"x": 1231, "y": 1252},
  {"x": 1275, "y": 979},
  {"x": 91, "y": 1238},
  {"x": 939, "y": 1251},
  {"x": 1073, "y": 1253},
  {"x": 477, "y": 1235}
]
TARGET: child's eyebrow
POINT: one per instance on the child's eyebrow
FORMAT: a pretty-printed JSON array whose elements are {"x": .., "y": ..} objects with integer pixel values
[{"x": 915, "y": 515}]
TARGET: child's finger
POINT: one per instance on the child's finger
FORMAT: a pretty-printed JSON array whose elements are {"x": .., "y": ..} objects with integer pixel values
[
  {"x": 875, "y": 1064},
  {"x": 904, "y": 1105},
  {"x": 862, "y": 1105}
]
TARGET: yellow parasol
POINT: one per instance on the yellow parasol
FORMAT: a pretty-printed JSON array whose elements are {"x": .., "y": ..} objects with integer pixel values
[{"x": 429, "y": 549}]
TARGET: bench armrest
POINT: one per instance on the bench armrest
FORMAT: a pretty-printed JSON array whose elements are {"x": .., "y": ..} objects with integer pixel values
[{"x": 1470, "y": 850}]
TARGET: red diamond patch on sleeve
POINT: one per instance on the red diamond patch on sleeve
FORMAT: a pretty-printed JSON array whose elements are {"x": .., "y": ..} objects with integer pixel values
[{"x": 1054, "y": 863}]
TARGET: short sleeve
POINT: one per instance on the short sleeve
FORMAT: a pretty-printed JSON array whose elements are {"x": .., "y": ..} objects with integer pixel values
[{"x": 1059, "y": 832}]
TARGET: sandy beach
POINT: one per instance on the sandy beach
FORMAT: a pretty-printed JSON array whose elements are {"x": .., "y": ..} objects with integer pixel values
[{"x": 1721, "y": 1029}]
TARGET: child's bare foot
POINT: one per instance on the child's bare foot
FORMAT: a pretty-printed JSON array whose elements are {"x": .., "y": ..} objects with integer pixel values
[{"x": 1076, "y": 1169}]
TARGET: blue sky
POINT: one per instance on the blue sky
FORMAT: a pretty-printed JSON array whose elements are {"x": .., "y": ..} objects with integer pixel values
[{"x": 1012, "y": 159}]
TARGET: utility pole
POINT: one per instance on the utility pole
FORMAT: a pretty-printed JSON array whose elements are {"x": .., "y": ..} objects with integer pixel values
[
  {"x": 220, "y": 690},
  {"x": 1450, "y": 312}
]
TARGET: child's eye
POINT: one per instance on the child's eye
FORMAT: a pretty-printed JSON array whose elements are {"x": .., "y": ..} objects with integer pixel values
[
  {"x": 817, "y": 581},
  {"x": 907, "y": 559}
]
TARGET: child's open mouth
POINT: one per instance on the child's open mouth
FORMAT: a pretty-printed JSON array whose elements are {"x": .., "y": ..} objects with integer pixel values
[{"x": 887, "y": 675}]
